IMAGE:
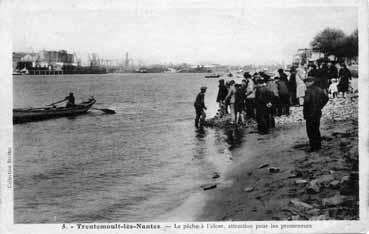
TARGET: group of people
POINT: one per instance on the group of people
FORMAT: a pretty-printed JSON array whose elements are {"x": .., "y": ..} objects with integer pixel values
[
  {"x": 259, "y": 96},
  {"x": 334, "y": 77},
  {"x": 262, "y": 97}
]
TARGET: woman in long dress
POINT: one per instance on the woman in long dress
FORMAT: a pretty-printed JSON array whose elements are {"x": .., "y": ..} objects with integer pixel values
[
  {"x": 344, "y": 77},
  {"x": 300, "y": 85}
]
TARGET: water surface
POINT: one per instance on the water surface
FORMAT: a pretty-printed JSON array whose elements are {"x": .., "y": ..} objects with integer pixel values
[{"x": 139, "y": 164}]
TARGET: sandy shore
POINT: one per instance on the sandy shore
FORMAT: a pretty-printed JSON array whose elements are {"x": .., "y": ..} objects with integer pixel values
[{"x": 300, "y": 186}]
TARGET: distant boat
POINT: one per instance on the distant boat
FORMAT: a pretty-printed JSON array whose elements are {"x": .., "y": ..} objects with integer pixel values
[
  {"x": 36, "y": 114},
  {"x": 213, "y": 76}
]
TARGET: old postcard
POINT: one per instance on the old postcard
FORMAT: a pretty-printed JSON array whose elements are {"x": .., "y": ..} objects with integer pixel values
[{"x": 184, "y": 116}]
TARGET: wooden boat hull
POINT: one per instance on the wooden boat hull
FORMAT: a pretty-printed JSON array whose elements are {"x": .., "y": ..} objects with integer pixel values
[
  {"x": 212, "y": 76},
  {"x": 37, "y": 114}
]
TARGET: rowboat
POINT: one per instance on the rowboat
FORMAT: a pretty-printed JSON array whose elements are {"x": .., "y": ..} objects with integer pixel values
[
  {"x": 212, "y": 76},
  {"x": 35, "y": 114}
]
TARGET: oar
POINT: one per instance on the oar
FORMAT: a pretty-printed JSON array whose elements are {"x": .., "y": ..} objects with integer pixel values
[
  {"x": 107, "y": 111},
  {"x": 56, "y": 102}
]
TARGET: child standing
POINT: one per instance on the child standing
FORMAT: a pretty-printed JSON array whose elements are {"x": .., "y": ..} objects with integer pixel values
[{"x": 333, "y": 89}]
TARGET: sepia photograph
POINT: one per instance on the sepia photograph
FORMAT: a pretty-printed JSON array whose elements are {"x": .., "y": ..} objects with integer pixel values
[{"x": 184, "y": 111}]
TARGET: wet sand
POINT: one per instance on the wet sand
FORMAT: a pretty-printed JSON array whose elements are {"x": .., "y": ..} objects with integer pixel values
[{"x": 308, "y": 186}]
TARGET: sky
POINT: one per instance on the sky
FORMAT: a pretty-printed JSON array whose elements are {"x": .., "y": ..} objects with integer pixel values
[{"x": 204, "y": 31}]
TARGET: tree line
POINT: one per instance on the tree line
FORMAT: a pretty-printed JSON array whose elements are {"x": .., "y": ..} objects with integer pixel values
[{"x": 335, "y": 42}]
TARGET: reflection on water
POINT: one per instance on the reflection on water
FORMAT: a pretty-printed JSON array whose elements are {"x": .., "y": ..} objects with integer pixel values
[
  {"x": 200, "y": 133},
  {"x": 200, "y": 147},
  {"x": 234, "y": 136}
]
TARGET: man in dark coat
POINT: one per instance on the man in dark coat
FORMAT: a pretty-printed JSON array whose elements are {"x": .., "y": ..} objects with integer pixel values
[
  {"x": 314, "y": 100},
  {"x": 263, "y": 103},
  {"x": 199, "y": 107},
  {"x": 282, "y": 75},
  {"x": 312, "y": 71},
  {"x": 284, "y": 96},
  {"x": 292, "y": 86},
  {"x": 222, "y": 93}
]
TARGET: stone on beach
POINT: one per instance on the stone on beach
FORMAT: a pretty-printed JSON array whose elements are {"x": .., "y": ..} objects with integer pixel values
[
  {"x": 316, "y": 184},
  {"x": 263, "y": 165},
  {"x": 313, "y": 187},
  {"x": 295, "y": 217},
  {"x": 215, "y": 175},
  {"x": 324, "y": 180},
  {"x": 345, "y": 179},
  {"x": 314, "y": 212},
  {"x": 335, "y": 184},
  {"x": 320, "y": 217},
  {"x": 249, "y": 189},
  {"x": 273, "y": 169},
  {"x": 300, "y": 204},
  {"x": 208, "y": 186},
  {"x": 301, "y": 182},
  {"x": 333, "y": 201}
]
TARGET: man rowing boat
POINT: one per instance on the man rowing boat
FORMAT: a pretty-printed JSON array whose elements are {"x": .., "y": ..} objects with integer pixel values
[{"x": 70, "y": 101}]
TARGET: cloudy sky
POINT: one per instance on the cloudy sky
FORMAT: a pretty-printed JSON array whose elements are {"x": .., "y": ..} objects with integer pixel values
[{"x": 204, "y": 31}]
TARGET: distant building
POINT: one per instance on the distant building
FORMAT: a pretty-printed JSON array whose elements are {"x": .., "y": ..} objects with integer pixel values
[
  {"x": 305, "y": 55},
  {"x": 49, "y": 60},
  {"x": 53, "y": 57},
  {"x": 17, "y": 57}
]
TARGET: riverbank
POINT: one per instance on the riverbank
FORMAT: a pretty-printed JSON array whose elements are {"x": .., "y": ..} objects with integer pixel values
[{"x": 275, "y": 178}]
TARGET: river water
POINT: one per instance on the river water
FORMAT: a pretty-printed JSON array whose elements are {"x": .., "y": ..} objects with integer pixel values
[{"x": 145, "y": 163}]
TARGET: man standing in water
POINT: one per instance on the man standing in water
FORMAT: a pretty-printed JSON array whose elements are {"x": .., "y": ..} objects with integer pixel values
[
  {"x": 314, "y": 100},
  {"x": 231, "y": 97},
  {"x": 199, "y": 107}
]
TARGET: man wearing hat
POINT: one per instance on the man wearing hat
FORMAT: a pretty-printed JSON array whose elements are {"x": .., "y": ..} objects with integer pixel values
[
  {"x": 222, "y": 93},
  {"x": 263, "y": 104},
  {"x": 314, "y": 101},
  {"x": 200, "y": 106}
]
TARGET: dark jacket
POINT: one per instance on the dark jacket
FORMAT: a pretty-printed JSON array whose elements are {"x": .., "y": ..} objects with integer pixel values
[
  {"x": 292, "y": 83},
  {"x": 313, "y": 72},
  {"x": 240, "y": 98},
  {"x": 283, "y": 76},
  {"x": 222, "y": 93},
  {"x": 262, "y": 97},
  {"x": 323, "y": 77},
  {"x": 332, "y": 72},
  {"x": 199, "y": 102},
  {"x": 70, "y": 101},
  {"x": 314, "y": 100},
  {"x": 283, "y": 88}
]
